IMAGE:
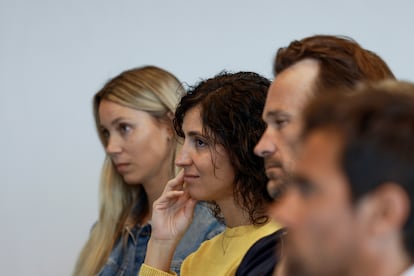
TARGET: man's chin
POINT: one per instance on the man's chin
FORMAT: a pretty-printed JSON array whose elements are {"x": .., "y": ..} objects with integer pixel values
[{"x": 275, "y": 187}]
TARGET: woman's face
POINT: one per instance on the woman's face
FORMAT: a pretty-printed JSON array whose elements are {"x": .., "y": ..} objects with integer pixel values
[
  {"x": 208, "y": 173},
  {"x": 138, "y": 144}
]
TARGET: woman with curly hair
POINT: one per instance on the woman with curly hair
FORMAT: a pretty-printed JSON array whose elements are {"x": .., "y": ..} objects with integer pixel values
[{"x": 220, "y": 121}]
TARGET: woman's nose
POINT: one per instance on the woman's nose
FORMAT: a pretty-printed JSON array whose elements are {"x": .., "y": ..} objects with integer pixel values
[
  {"x": 113, "y": 146},
  {"x": 183, "y": 158}
]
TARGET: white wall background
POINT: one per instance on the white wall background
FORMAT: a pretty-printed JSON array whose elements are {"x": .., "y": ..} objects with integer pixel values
[{"x": 54, "y": 55}]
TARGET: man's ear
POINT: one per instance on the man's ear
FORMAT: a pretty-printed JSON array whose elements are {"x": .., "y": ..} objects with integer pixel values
[{"x": 389, "y": 210}]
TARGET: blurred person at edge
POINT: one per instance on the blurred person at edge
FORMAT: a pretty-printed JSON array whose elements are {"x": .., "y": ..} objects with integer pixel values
[{"x": 354, "y": 185}]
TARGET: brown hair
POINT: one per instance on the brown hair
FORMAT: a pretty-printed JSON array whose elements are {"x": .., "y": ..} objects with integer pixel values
[
  {"x": 231, "y": 108},
  {"x": 343, "y": 62},
  {"x": 376, "y": 122}
]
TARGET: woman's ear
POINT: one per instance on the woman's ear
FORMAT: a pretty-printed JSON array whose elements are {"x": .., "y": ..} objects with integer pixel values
[
  {"x": 170, "y": 115},
  {"x": 168, "y": 121}
]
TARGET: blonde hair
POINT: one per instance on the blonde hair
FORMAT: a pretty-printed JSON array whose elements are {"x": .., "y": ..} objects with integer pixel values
[{"x": 149, "y": 89}]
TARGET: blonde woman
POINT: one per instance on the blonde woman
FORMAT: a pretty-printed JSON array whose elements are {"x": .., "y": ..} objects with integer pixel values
[{"x": 133, "y": 115}]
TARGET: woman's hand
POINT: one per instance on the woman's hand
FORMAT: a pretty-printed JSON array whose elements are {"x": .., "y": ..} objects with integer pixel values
[{"x": 172, "y": 214}]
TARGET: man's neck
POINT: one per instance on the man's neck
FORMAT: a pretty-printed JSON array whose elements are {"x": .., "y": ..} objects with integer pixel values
[{"x": 387, "y": 262}]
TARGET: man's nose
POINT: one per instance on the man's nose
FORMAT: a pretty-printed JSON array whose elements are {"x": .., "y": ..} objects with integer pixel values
[{"x": 266, "y": 145}]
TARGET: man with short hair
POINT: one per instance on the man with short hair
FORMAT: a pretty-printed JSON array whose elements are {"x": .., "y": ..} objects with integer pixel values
[
  {"x": 354, "y": 184},
  {"x": 302, "y": 70}
]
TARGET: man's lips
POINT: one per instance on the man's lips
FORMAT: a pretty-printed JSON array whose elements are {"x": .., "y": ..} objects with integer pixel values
[
  {"x": 273, "y": 170},
  {"x": 273, "y": 165}
]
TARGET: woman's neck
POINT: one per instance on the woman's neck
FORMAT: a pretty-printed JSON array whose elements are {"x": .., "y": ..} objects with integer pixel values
[
  {"x": 233, "y": 214},
  {"x": 154, "y": 188}
]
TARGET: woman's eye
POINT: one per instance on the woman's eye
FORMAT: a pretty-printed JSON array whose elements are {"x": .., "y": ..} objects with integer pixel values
[
  {"x": 200, "y": 143},
  {"x": 105, "y": 133},
  {"x": 124, "y": 128}
]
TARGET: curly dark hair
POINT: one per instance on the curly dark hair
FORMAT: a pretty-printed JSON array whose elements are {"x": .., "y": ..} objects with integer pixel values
[
  {"x": 231, "y": 107},
  {"x": 342, "y": 61}
]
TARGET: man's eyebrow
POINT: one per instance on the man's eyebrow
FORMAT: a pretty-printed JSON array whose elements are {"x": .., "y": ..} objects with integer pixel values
[{"x": 277, "y": 114}]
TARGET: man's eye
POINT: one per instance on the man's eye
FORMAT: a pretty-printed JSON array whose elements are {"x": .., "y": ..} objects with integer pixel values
[
  {"x": 281, "y": 123},
  {"x": 305, "y": 188}
]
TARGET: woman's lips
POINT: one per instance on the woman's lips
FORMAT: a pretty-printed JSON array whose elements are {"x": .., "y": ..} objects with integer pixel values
[
  {"x": 188, "y": 178},
  {"x": 122, "y": 167}
]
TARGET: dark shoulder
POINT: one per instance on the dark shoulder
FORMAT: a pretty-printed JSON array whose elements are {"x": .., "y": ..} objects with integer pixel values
[{"x": 262, "y": 257}]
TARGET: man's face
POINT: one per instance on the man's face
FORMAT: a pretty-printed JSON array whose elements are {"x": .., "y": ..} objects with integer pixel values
[
  {"x": 286, "y": 98},
  {"x": 326, "y": 231}
]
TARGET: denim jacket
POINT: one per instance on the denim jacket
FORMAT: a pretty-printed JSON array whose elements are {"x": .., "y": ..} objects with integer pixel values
[{"x": 127, "y": 257}]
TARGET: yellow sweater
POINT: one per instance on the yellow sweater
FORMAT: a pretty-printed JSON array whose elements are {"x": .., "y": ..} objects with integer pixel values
[{"x": 221, "y": 255}]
